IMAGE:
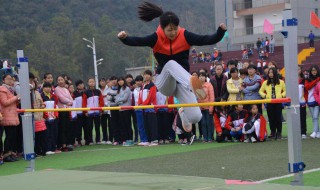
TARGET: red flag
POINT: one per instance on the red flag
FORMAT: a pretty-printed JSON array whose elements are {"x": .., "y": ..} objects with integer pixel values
[{"x": 314, "y": 20}]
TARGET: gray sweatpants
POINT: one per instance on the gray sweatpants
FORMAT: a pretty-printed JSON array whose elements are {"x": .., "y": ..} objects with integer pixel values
[{"x": 174, "y": 80}]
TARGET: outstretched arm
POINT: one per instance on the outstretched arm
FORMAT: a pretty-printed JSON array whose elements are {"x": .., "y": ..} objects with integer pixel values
[
  {"x": 149, "y": 41},
  {"x": 200, "y": 40}
]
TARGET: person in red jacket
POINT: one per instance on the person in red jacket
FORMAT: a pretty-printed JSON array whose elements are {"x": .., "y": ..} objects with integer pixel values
[
  {"x": 148, "y": 96},
  {"x": 171, "y": 45},
  {"x": 92, "y": 98},
  {"x": 235, "y": 122},
  {"x": 220, "y": 118}
]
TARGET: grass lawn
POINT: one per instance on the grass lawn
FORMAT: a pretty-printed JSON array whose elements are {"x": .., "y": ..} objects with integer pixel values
[
  {"x": 226, "y": 161},
  {"x": 310, "y": 179}
]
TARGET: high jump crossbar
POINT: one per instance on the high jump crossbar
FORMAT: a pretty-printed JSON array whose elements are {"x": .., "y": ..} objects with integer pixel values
[{"x": 270, "y": 101}]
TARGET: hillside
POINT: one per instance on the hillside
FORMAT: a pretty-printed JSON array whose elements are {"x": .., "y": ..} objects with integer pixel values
[{"x": 51, "y": 32}]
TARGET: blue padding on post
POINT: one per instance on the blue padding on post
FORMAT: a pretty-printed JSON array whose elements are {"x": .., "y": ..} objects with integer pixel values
[
  {"x": 30, "y": 156},
  {"x": 23, "y": 59},
  {"x": 297, "y": 167}
]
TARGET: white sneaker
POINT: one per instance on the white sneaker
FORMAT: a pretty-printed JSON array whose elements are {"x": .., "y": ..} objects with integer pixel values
[
  {"x": 187, "y": 126},
  {"x": 154, "y": 143},
  {"x": 253, "y": 140},
  {"x": 90, "y": 144},
  {"x": 142, "y": 144},
  {"x": 103, "y": 142},
  {"x": 313, "y": 135},
  {"x": 50, "y": 153},
  {"x": 98, "y": 143},
  {"x": 318, "y": 135},
  {"x": 247, "y": 140},
  {"x": 303, "y": 136},
  {"x": 108, "y": 142},
  {"x": 191, "y": 139}
]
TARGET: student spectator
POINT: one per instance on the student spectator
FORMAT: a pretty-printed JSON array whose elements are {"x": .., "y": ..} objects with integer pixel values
[
  {"x": 81, "y": 119},
  {"x": 163, "y": 119},
  {"x": 258, "y": 44},
  {"x": 235, "y": 122},
  {"x": 10, "y": 120},
  {"x": 194, "y": 130},
  {"x": 245, "y": 53},
  {"x": 64, "y": 101},
  {"x": 254, "y": 127},
  {"x": 148, "y": 97},
  {"x": 272, "y": 44},
  {"x": 204, "y": 70},
  {"x": 217, "y": 55},
  {"x": 114, "y": 114},
  {"x": 129, "y": 81},
  {"x": 316, "y": 94},
  {"x": 267, "y": 44},
  {"x": 219, "y": 83},
  {"x": 139, "y": 112},
  {"x": 311, "y": 39},
  {"x": 310, "y": 84},
  {"x": 234, "y": 86},
  {"x": 40, "y": 142},
  {"x": 251, "y": 85},
  {"x": 206, "y": 121},
  {"x": 243, "y": 73},
  {"x": 194, "y": 56},
  {"x": 220, "y": 117},
  {"x": 51, "y": 118},
  {"x": 303, "y": 104},
  {"x": 91, "y": 98},
  {"x": 271, "y": 89},
  {"x": 124, "y": 99},
  {"x": 105, "y": 117},
  {"x": 48, "y": 77},
  {"x": 231, "y": 64}
]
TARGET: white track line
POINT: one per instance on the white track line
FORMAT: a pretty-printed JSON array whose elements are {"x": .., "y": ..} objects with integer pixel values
[{"x": 285, "y": 176}]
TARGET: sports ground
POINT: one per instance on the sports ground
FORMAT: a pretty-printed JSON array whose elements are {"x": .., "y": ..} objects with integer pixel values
[{"x": 173, "y": 166}]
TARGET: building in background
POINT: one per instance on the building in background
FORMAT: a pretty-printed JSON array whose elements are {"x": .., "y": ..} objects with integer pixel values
[{"x": 245, "y": 19}]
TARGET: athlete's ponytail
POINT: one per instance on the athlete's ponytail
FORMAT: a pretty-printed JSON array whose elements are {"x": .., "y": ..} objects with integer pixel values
[{"x": 148, "y": 11}]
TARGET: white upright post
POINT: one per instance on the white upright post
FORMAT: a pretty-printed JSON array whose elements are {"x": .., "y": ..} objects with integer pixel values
[
  {"x": 295, "y": 164},
  {"x": 95, "y": 64},
  {"x": 27, "y": 122}
]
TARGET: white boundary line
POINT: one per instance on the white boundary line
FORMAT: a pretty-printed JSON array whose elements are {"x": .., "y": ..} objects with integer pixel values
[{"x": 285, "y": 176}]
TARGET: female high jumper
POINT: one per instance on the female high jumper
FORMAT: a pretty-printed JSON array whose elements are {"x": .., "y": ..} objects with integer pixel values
[{"x": 171, "y": 45}]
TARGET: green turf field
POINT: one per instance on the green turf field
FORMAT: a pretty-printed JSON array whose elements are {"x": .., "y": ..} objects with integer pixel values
[{"x": 249, "y": 162}]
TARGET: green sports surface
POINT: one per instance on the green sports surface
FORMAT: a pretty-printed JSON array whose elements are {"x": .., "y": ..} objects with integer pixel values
[{"x": 173, "y": 166}]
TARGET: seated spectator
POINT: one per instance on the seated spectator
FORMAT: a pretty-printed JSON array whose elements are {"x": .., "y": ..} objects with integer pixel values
[
  {"x": 263, "y": 55},
  {"x": 235, "y": 122},
  {"x": 220, "y": 117},
  {"x": 250, "y": 52},
  {"x": 207, "y": 58},
  {"x": 245, "y": 54},
  {"x": 255, "y": 126},
  {"x": 216, "y": 55},
  {"x": 194, "y": 56}
]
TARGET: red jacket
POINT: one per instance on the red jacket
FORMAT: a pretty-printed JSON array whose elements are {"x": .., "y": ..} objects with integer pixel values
[
  {"x": 236, "y": 118},
  {"x": 148, "y": 95}
]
